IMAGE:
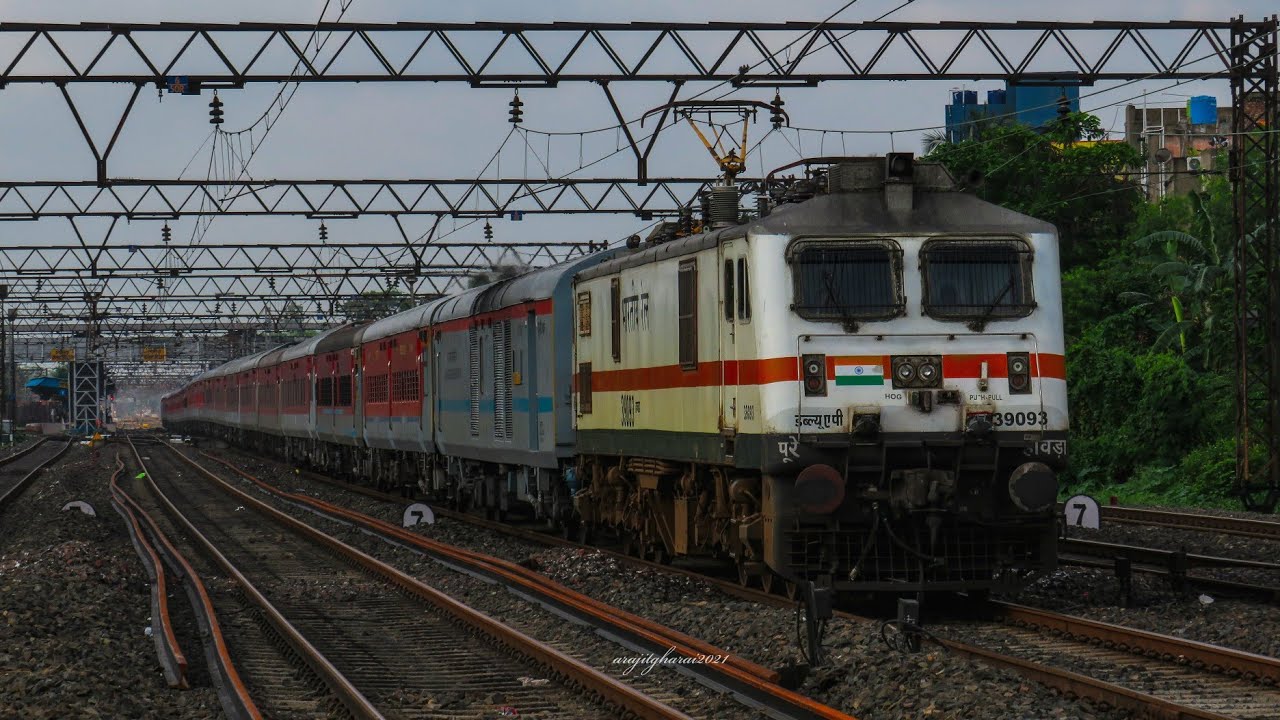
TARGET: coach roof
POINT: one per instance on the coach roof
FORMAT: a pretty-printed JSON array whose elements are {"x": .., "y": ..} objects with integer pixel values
[{"x": 308, "y": 346}]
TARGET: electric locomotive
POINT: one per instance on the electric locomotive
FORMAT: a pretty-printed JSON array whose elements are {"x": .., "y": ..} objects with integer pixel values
[{"x": 863, "y": 388}]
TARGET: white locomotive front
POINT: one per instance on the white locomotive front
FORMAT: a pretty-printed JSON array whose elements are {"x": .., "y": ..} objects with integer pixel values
[{"x": 863, "y": 389}]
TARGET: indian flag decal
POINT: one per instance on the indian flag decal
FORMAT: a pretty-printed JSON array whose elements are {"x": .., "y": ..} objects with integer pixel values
[{"x": 859, "y": 371}]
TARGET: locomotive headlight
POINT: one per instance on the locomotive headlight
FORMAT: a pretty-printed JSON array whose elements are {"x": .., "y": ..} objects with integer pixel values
[
  {"x": 906, "y": 372},
  {"x": 928, "y": 374}
]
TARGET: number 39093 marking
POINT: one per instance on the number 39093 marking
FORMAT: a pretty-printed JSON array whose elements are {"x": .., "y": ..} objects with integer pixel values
[{"x": 1020, "y": 418}]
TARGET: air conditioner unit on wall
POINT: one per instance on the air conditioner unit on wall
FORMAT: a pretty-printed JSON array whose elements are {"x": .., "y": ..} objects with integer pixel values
[{"x": 1195, "y": 164}]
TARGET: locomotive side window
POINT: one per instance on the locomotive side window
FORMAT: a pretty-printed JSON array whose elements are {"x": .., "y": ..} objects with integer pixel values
[
  {"x": 687, "y": 311},
  {"x": 744, "y": 292},
  {"x": 977, "y": 279},
  {"x": 847, "y": 280}
]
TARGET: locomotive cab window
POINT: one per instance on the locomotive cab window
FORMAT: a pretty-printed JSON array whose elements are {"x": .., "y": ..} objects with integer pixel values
[
  {"x": 744, "y": 292},
  {"x": 977, "y": 280},
  {"x": 847, "y": 279}
]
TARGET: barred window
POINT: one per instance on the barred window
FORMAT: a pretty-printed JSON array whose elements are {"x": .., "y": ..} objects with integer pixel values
[
  {"x": 977, "y": 279},
  {"x": 376, "y": 391},
  {"x": 404, "y": 386},
  {"x": 847, "y": 280}
]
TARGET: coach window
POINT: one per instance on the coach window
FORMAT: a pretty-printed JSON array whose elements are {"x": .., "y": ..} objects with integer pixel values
[
  {"x": 687, "y": 302},
  {"x": 744, "y": 292},
  {"x": 728, "y": 290},
  {"x": 847, "y": 280},
  {"x": 615, "y": 317},
  {"x": 976, "y": 279}
]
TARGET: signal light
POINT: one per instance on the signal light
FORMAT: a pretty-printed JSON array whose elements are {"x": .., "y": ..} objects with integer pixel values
[
  {"x": 215, "y": 112},
  {"x": 814, "y": 369},
  {"x": 516, "y": 113}
]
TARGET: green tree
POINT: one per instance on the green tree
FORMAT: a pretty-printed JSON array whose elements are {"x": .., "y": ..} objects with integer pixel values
[{"x": 1066, "y": 174}]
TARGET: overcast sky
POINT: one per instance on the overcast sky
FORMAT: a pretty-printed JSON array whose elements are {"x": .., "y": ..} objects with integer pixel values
[{"x": 449, "y": 130}]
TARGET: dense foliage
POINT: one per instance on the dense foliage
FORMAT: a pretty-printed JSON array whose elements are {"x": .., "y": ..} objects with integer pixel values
[{"x": 1147, "y": 302}]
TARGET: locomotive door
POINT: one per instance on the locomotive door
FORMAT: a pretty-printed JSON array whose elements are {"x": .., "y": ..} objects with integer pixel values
[{"x": 730, "y": 251}]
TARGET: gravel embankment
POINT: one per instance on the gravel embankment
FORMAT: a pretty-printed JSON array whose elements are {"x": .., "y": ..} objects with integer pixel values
[
  {"x": 864, "y": 676},
  {"x": 76, "y": 605}
]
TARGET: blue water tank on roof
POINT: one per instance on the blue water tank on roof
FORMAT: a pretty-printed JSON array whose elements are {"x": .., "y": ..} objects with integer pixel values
[
  {"x": 996, "y": 97},
  {"x": 1203, "y": 110}
]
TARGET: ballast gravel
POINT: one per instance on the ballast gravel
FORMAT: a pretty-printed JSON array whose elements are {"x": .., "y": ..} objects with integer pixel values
[
  {"x": 864, "y": 676},
  {"x": 75, "y": 608}
]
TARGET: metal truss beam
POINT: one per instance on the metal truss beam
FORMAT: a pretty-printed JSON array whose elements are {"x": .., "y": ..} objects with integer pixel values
[
  {"x": 406, "y": 260},
  {"x": 1255, "y": 174},
  {"x": 547, "y": 54},
  {"x": 137, "y": 199}
]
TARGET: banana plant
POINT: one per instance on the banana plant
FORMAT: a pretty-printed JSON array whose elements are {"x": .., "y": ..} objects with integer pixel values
[{"x": 1194, "y": 271}]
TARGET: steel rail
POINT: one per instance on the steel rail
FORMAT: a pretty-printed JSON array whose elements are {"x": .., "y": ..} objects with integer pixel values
[
  {"x": 1266, "y": 529},
  {"x": 14, "y": 490},
  {"x": 1137, "y": 553},
  {"x": 613, "y": 691},
  {"x": 233, "y": 694},
  {"x": 1063, "y": 680},
  {"x": 352, "y": 699},
  {"x": 172, "y": 660},
  {"x": 736, "y": 674},
  {"x": 1251, "y": 666}
]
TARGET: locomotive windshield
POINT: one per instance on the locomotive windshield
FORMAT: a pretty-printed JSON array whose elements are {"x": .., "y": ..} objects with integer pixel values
[
  {"x": 847, "y": 280},
  {"x": 977, "y": 279}
]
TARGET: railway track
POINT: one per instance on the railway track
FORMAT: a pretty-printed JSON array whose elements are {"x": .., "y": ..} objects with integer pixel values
[
  {"x": 363, "y": 626},
  {"x": 1266, "y": 529},
  {"x": 1263, "y": 578},
  {"x": 18, "y": 470},
  {"x": 1151, "y": 674},
  {"x": 755, "y": 686}
]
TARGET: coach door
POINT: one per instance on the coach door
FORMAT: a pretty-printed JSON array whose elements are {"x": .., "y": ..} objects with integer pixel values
[{"x": 730, "y": 254}]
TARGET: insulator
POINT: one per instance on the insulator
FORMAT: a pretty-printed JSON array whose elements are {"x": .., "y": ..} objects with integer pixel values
[
  {"x": 762, "y": 205},
  {"x": 165, "y": 233},
  {"x": 215, "y": 111},
  {"x": 686, "y": 221},
  {"x": 775, "y": 114},
  {"x": 516, "y": 112},
  {"x": 1064, "y": 107},
  {"x": 324, "y": 232},
  {"x": 488, "y": 230}
]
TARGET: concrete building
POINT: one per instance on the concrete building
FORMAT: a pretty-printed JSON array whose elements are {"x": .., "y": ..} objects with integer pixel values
[
  {"x": 1179, "y": 144},
  {"x": 1031, "y": 105}
]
